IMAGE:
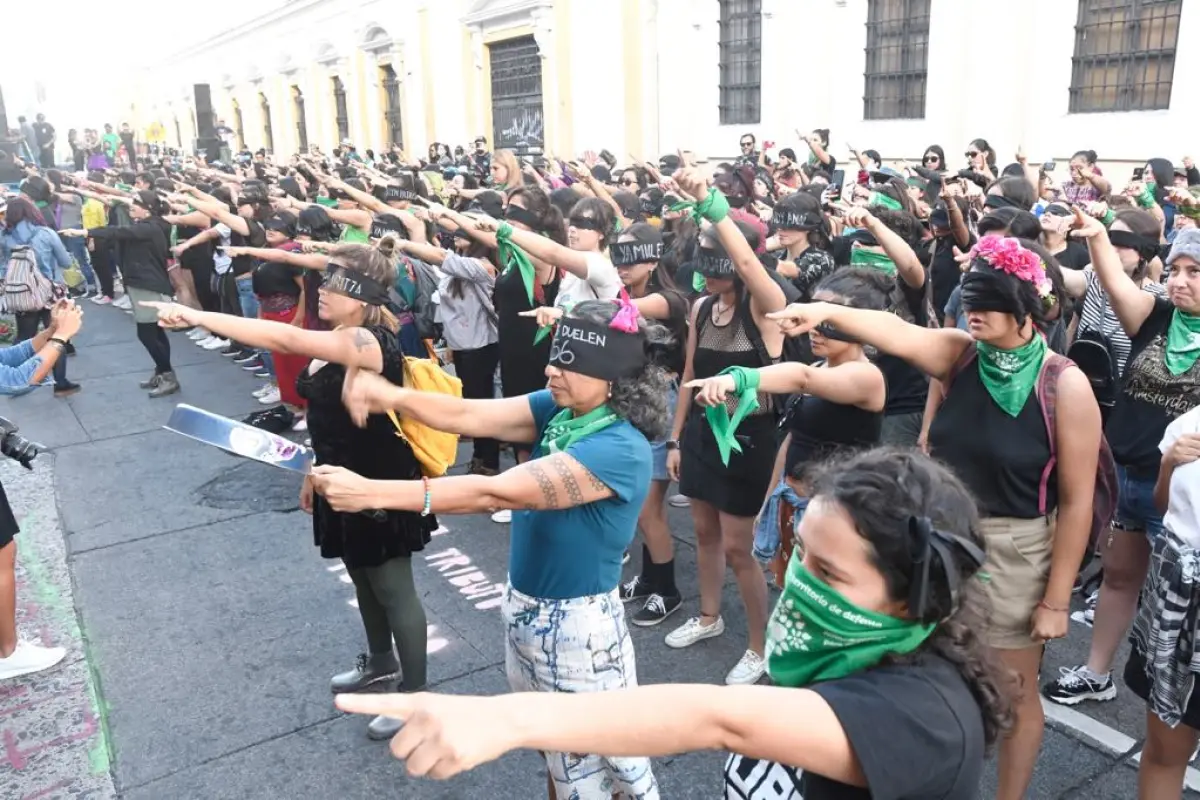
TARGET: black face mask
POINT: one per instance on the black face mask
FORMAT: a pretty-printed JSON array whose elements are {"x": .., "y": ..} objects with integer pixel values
[{"x": 987, "y": 291}]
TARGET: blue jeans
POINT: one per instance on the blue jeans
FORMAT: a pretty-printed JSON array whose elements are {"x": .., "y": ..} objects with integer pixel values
[
  {"x": 1136, "y": 510},
  {"x": 248, "y": 301},
  {"x": 77, "y": 248}
]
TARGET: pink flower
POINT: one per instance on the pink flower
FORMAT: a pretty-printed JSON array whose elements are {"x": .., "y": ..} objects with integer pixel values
[{"x": 1007, "y": 255}]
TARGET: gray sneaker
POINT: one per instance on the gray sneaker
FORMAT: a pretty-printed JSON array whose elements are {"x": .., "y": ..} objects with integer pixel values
[
  {"x": 167, "y": 384},
  {"x": 369, "y": 670},
  {"x": 382, "y": 728},
  {"x": 151, "y": 382}
]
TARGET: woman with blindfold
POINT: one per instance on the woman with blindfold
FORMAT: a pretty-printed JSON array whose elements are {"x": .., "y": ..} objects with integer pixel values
[
  {"x": 726, "y": 470},
  {"x": 1161, "y": 381},
  {"x": 991, "y": 429},
  {"x": 575, "y": 507},
  {"x": 376, "y": 548},
  {"x": 802, "y": 231},
  {"x": 882, "y": 686}
]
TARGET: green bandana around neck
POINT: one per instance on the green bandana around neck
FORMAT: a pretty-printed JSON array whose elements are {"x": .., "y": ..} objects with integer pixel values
[
  {"x": 1010, "y": 375},
  {"x": 1183, "y": 342},
  {"x": 724, "y": 426},
  {"x": 565, "y": 428},
  {"x": 815, "y": 634},
  {"x": 510, "y": 256},
  {"x": 861, "y": 257},
  {"x": 881, "y": 199}
]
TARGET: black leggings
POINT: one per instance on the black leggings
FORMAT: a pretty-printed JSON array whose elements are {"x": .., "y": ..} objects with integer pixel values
[
  {"x": 102, "y": 263},
  {"x": 391, "y": 609},
  {"x": 28, "y": 323},
  {"x": 155, "y": 340},
  {"x": 477, "y": 371}
]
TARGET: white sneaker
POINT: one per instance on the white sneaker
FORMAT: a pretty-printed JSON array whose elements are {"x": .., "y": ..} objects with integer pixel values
[
  {"x": 197, "y": 334},
  {"x": 270, "y": 397},
  {"x": 102, "y": 300},
  {"x": 747, "y": 671},
  {"x": 123, "y": 302},
  {"x": 503, "y": 516},
  {"x": 260, "y": 391},
  {"x": 214, "y": 343},
  {"x": 679, "y": 501},
  {"x": 692, "y": 631},
  {"x": 301, "y": 425},
  {"x": 29, "y": 658}
]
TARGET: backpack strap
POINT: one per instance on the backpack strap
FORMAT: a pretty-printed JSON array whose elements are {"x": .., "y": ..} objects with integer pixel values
[
  {"x": 965, "y": 359},
  {"x": 1046, "y": 389},
  {"x": 704, "y": 315}
]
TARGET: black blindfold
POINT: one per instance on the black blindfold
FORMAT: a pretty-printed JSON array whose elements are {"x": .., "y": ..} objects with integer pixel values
[{"x": 986, "y": 290}]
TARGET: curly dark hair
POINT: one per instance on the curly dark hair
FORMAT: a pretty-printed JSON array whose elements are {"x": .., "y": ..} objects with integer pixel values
[
  {"x": 902, "y": 223},
  {"x": 882, "y": 490},
  {"x": 641, "y": 399},
  {"x": 859, "y": 287}
]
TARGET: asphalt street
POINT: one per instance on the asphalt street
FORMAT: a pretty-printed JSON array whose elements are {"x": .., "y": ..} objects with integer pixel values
[{"x": 206, "y": 625}]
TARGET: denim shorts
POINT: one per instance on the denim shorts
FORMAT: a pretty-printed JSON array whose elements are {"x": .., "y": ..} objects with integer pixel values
[
  {"x": 576, "y": 645},
  {"x": 658, "y": 449},
  {"x": 1135, "y": 505}
]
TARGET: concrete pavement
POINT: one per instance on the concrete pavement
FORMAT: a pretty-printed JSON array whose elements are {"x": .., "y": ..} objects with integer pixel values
[{"x": 211, "y": 625}]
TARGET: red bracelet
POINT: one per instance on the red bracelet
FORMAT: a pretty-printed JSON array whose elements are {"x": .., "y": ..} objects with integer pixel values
[{"x": 1048, "y": 607}]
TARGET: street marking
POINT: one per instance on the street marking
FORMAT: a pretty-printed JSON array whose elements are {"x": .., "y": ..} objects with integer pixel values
[{"x": 1105, "y": 736}]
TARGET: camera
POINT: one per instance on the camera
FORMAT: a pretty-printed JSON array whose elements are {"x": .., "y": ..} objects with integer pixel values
[{"x": 17, "y": 447}]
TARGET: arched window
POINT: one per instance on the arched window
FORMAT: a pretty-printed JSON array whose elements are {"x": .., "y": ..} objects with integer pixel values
[
  {"x": 301, "y": 125},
  {"x": 391, "y": 104},
  {"x": 268, "y": 134}
]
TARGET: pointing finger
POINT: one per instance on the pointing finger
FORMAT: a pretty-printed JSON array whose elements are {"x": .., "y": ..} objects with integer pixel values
[{"x": 399, "y": 706}]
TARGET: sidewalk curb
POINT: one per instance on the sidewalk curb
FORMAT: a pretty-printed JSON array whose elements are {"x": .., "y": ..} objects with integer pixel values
[{"x": 53, "y": 725}]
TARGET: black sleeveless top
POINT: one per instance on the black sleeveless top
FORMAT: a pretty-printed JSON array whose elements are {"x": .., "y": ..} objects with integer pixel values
[
  {"x": 372, "y": 452},
  {"x": 821, "y": 428},
  {"x": 522, "y": 363},
  {"x": 1000, "y": 458},
  {"x": 737, "y": 343}
]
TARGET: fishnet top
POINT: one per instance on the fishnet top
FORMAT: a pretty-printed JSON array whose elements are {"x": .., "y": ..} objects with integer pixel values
[{"x": 719, "y": 347}]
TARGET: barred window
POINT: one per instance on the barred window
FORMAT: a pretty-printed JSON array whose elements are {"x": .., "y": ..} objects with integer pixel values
[
  {"x": 1124, "y": 55},
  {"x": 342, "y": 114},
  {"x": 897, "y": 59},
  {"x": 268, "y": 133},
  {"x": 741, "y": 62},
  {"x": 301, "y": 123},
  {"x": 238, "y": 127}
]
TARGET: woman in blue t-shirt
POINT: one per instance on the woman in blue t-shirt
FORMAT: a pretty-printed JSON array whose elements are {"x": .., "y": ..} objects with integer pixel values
[{"x": 575, "y": 508}]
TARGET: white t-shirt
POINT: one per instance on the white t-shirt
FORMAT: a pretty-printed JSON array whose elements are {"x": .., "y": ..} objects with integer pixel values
[
  {"x": 1183, "y": 503},
  {"x": 602, "y": 283},
  {"x": 221, "y": 261}
]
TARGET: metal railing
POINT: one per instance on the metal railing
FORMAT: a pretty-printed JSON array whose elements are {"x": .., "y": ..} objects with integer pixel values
[
  {"x": 741, "y": 62},
  {"x": 897, "y": 59},
  {"x": 518, "y": 123},
  {"x": 1124, "y": 56}
]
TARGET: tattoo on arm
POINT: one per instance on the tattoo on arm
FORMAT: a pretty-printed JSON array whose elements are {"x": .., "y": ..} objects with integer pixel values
[
  {"x": 362, "y": 339},
  {"x": 574, "y": 495},
  {"x": 596, "y": 484},
  {"x": 549, "y": 494}
]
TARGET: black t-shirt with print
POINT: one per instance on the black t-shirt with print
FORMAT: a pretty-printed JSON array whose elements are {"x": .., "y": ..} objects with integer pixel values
[
  {"x": 916, "y": 730},
  {"x": 257, "y": 238},
  {"x": 1151, "y": 397}
]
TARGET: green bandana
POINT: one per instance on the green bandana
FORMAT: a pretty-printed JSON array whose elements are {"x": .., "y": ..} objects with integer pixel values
[
  {"x": 565, "y": 428},
  {"x": 880, "y": 199},
  {"x": 724, "y": 427},
  {"x": 1010, "y": 375},
  {"x": 698, "y": 282},
  {"x": 328, "y": 202},
  {"x": 713, "y": 208},
  {"x": 816, "y": 635},
  {"x": 1183, "y": 342},
  {"x": 510, "y": 256},
  {"x": 861, "y": 257}
]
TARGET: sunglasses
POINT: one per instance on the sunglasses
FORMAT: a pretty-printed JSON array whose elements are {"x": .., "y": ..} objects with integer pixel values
[
  {"x": 931, "y": 158},
  {"x": 627, "y": 182},
  {"x": 972, "y": 153},
  {"x": 747, "y": 144}
]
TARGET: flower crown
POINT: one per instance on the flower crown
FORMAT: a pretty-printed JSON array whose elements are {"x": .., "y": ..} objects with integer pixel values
[{"x": 1007, "y": 255}]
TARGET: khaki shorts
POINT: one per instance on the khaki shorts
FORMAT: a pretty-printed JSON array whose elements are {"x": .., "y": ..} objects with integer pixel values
[
  {"x": 1017, "y": 567},
  {"x": 138, "y": 296}
]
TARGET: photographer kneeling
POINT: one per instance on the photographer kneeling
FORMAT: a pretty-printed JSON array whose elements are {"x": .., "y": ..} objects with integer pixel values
[{"x": 23, "y": 367}]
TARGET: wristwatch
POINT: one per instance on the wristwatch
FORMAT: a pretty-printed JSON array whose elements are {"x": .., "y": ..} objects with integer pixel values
[{"x": 672, "y": 444}]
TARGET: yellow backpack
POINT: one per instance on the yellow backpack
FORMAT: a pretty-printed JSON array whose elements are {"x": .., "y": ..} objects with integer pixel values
[{"x": 435, "y": 450}]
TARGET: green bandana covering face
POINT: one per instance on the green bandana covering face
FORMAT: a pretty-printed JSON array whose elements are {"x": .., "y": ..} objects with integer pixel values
[
  {"x": 565, "y": 428},
  {"x": 1010, "y": 375},
  {"x": 817, "y": 635},
  {"x": 861, "y": 257},
  {"x": 1183, "y": 342},
  {"x": 724, "y": 427}
]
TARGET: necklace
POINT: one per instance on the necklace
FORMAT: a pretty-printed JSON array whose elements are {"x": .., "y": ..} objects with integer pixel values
[{"x": 720, "y": 312}]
